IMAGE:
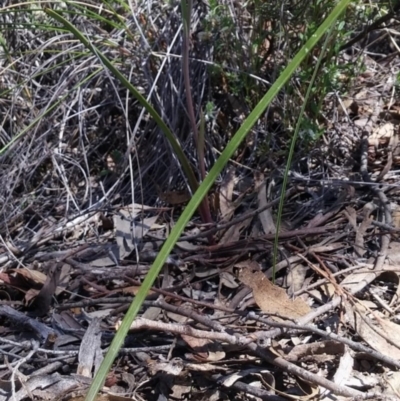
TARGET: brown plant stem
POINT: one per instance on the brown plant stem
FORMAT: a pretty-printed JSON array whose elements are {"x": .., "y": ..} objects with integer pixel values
[{"x": 204, "y": 208}]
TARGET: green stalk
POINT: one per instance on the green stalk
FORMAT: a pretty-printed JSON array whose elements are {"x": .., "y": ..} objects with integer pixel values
[{"x": 291, "y": 150}]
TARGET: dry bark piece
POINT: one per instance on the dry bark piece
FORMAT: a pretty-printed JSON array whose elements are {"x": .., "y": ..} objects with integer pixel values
[
  {"x": 271, "y": 298},
  {"x": 90, "y": 353},
  {"x": 41, "y": 304},
  {"x": 21, "y": 320}
]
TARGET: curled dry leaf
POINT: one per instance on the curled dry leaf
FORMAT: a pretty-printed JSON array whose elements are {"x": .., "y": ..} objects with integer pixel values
[
  {"x": 374, "y": 332},
  {"x": 271, "y": 298},
  {"x": 265, "y": 375}
]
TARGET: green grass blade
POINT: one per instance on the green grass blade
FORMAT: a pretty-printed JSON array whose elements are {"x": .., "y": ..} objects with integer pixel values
[
  {"x": 170, "y": 136},
  {"x": 292, "y": 148},
  {"x": 200, "y": 193}
]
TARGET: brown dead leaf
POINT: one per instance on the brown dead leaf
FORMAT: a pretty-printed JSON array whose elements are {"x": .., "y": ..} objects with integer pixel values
[
  {"x": 271, "y": 298},
  {"x": 345, "y": 367},
  {"x": 127, "y": 234},
  {"x": 133, "y": 290},
  {"x": 232, "y": 234},
  {"x": 32, "y": 275},
  {"x": 349, "y": 106},
  {"x": 204, "y": 350},
  {"x": 175, "y": 198},
  {"x": 123, "y": 235},
  {"x": 266, "y": 377},
  {"x": 393, "y": 253},
  {"x": 116, "y": 397},
  {"x": 98, "y": 398}
]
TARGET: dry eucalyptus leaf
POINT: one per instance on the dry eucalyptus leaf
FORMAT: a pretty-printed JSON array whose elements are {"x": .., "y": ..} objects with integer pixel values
[
  {"x": 203, "y": 349},
  {"x": 228, "y": 280},
  {"x": 360, "y": 320},
  {"x": 345, "y": 368},
  {"x": 271, "y": 298},
  {"x": 382, "y": 134},
  {"x": 295, "y": 277},
  {"x": 123, "y": 235},
  {"x": 361, "y": 230},
  {"x": 226, "y": 206},
  {"x": 233, "y": 233},
  {"x": 307, "y": 390},
  {"x": 393, "y": 253}
]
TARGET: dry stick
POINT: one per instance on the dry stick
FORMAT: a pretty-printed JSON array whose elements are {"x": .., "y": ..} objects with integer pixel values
[
  {"x": 324, "y": 280},
  {"x": 331, "y": 336},
  {"x": 21, "y": 320},
  {"x": 238, "y": 220},
  {"x": 249, "y": 389},
  {"x": 267, "y": 355},
  {"x": 218, "y": 327},
  {"x": 72, "y": 353},
  {"x": 375, "y": 25},
  {"x": 203, "y": 319},
  {"x": 204, "y": 208},
  {"x": 382, "y": 198}
]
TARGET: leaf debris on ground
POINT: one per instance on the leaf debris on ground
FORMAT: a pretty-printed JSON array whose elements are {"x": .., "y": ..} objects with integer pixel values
[{"x": 80, "y": 228}]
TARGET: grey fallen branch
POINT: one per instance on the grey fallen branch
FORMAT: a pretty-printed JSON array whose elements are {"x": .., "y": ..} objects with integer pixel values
[
  {"x": 265, "y": 354},
  {"x": 332, "y": 336},
  {"x": 40, "y": 329}
]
